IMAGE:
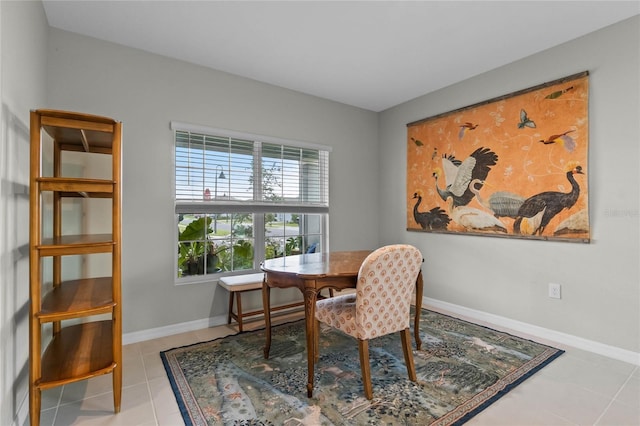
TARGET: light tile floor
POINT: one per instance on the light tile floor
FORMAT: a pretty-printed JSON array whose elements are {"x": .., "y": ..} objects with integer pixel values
[{"x": 578, "y": 388}]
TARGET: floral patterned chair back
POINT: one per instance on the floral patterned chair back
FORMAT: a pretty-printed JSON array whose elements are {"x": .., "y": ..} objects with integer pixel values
[
  {"x": 386, "y": 284},
  {"x": 381, "y": 304}
]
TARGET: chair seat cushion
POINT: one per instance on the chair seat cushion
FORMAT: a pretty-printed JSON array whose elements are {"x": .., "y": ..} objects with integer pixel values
[{"x": 338, "y": 312}]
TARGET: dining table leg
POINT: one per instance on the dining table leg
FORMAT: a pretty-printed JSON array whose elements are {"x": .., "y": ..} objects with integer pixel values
[
  {"x": 310, "y": 297},
  {"x": 266, "y": 306},
  {"x": 416, "y": 325}
]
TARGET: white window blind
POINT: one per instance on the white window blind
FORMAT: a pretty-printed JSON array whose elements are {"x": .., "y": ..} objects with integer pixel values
[{"x": 218, "y": 170}]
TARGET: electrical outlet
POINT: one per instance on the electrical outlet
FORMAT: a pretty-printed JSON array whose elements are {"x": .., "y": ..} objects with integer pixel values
[{"x": 554, "y": 291}]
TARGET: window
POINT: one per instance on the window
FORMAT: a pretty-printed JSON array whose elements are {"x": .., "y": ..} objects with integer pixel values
[{"x": 242, "y": 198}]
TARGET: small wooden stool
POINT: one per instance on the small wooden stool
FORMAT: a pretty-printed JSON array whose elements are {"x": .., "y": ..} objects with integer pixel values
[{"x": 238, "y": 284}]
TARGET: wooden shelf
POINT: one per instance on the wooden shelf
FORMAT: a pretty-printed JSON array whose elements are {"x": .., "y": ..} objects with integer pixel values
[
  {"x": 77, "y": 185},
  {"x": 66, "y": 245},
  {"x": 78, "y": 298},
  {"x": 78, "y": 352},
  {"x": 85, "y": 194},
  {"x": 93, "y": 345},
  {"x": 79, "y": 132}
]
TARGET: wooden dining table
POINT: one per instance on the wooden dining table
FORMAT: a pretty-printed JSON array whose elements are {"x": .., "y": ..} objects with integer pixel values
[{"x": 311, "y": 273}]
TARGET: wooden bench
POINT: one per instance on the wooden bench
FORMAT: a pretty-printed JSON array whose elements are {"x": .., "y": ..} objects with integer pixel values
[{"x": 238, "y": 284}]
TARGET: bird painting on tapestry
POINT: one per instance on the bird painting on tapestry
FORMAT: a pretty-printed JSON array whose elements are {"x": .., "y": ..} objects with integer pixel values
[
  {"x": 562, "y": 139},
  {"x": 466, "y": 127},
  {"x": 525, "y": 121},
  {"x": 558, "y": 93},
  {"x": 536, "y": 190},
  {"x": 436, "y": 218},
  {"x": 474, "y": 219},
  {"x": 458, "y": 174},
  {"x": 552, "y": 202},
  {"x": 500, "y": 203}
]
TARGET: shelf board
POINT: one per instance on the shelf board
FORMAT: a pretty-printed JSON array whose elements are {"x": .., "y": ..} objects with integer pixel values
[
  {"x": 66, "y": 245},
  {"x": 85, "y": 194},
  {"x": 77, "y": 131},
  {"x": 78, "y": 298},
  {"x": 76, "y": 185},
  {"x": 78, "y": 352}
]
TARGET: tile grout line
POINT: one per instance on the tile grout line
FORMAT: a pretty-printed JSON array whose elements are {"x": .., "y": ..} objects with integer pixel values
[
  {"x": 146, "y": 378},
  {"x": 615, "y": 397},
  {"x": 55, "y": 413}
]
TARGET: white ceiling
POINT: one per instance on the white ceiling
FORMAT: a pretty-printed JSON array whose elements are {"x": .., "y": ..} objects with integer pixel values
[{"x": 369, "y": 54}]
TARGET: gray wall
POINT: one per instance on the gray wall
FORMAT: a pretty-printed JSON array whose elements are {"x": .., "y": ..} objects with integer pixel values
[
  {"x": 146, "y": 92},
  {"x": 23, "y": 32},
  {"x": 504, "y": 277},
  {"x": 509, "y": 278}
]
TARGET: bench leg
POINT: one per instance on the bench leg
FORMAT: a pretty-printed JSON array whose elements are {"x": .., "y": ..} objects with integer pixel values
[
  {"x": 230, "y": 307},
  {"x": 239, "y": 306}
]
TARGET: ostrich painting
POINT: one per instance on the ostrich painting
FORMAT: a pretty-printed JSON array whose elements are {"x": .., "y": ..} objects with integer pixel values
[
  {"x": 458, "y": 174},
  {"x": 552, "y": 202},
  {"x": 436, "y": 218}
]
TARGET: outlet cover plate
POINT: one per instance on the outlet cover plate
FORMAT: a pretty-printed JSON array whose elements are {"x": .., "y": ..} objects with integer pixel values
[{"x": 554, "y": 291}]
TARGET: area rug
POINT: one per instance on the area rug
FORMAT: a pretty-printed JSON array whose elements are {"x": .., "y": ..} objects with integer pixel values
[{"x": 461, "y": 369}]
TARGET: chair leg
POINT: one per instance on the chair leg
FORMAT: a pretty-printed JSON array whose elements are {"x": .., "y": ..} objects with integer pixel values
[
  {"x": 365, "y": 366},
  {"x": 316, "y": 342},
  {"x": 408, "y": 354}
]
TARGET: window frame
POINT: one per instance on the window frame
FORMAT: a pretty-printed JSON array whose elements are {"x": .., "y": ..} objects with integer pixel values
[{"x": 256, "y": 206}]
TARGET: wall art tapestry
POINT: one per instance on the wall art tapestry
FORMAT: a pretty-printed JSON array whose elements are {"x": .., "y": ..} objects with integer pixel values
[{"x": 513, "y": 166}]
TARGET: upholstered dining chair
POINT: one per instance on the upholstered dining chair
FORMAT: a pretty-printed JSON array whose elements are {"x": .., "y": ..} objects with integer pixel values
[{"x": 380, "y": 305}]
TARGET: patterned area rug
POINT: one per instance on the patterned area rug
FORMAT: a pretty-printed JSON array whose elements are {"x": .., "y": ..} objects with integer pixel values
[{"x": 462, "y": 369}]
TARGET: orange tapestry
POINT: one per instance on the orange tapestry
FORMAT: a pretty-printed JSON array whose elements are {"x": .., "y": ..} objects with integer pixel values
[{"x": 512, "y": 166}]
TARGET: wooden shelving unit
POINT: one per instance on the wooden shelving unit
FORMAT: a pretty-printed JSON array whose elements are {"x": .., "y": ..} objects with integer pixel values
[{"x": 82, "y": 345}]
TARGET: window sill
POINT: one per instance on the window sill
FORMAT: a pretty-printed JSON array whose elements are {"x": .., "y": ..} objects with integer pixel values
[{"x": 212, "y": 278}]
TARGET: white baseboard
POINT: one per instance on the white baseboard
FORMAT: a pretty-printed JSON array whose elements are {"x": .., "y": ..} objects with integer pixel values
[
  {"x": 155, "y": 333},
  {"x": 513, "y": 326},
  {"x": 490, "y": 320}
]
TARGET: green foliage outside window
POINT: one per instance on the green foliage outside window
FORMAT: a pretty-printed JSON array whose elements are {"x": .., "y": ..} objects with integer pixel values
[
  {"x": 201, "y": 251},
  {"x": 197, "y": 252}
]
